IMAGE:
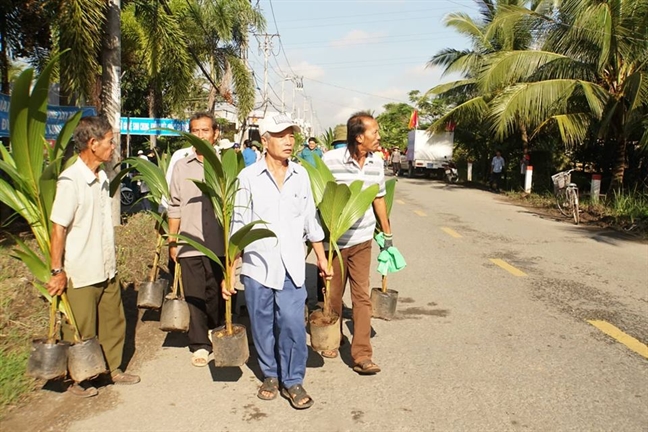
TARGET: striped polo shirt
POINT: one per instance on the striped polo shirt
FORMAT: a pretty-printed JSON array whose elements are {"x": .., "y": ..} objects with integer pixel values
[{"x": 346, "y": 170}]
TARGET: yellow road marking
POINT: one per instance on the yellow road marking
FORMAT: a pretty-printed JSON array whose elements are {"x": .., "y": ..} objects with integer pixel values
[
  {"x": 400, "y": 202},
  {"x": 620, "y": 336},
  {"x": 419, "y": 212},
  {"x": 451, "y": 232},
  {"x": 508, "y": 267}
]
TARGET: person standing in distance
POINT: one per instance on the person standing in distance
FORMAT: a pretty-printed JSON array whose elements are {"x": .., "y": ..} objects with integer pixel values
[
  {"x": 277, "y": 191},
  {"x": 310, "y": 150},
  {"x": 191, "y": 214},
  {"x": 359, "y": 161},
  {"x": 496, "y": 169},
  {"x": 83, "y": 250}
]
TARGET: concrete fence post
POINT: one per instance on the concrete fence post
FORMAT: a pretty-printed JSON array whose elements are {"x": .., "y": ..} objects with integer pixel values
[
  {"x": 528, "y": 178},
  {"x": 469, "y": 171},
  {"x": 596, "y": 187}
]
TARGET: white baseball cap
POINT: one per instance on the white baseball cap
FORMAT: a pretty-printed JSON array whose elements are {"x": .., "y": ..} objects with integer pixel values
[
  {"x": 140, "y": 152},
  {"x": 224, "y": 144},
  {"x": 277, "y": 123}
]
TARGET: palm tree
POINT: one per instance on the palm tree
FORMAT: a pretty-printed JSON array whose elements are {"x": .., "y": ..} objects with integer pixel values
[
  {"x": 79, "y": 28},
  {"x": 590, "y": 77},
  {"x": 487, "y": 40},
  {"x": 219, "y": 32}
]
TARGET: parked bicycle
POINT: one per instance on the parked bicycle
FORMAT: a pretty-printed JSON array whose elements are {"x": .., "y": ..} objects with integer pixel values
[{"x": 566, "y": 194}]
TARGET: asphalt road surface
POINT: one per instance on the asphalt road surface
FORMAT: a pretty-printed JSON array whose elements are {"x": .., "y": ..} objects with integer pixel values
[{"x": 492, "y": 333}]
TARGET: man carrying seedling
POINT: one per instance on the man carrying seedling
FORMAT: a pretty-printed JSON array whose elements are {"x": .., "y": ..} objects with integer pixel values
[
  {"x": 83, "y": 250},
  {"x": 278, "y": 192},
  {"x": 191, "y": 214},
  {"x": 358, "y": 162}
]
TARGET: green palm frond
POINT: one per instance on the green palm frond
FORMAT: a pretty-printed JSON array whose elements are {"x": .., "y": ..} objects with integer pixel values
[
  {"x": 467, "y": 112},
  {"x": 509, "y": 67}
]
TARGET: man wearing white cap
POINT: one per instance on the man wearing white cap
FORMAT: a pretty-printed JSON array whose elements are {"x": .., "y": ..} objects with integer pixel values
[{"x": 278, "y": 192}]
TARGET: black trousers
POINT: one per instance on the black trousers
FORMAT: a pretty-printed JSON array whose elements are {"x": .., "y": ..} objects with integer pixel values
[{"x": 201, "y": 279}]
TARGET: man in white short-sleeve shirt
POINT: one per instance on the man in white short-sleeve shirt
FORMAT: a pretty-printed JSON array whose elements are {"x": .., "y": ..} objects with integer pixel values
[
  {"x": 358, "y": 161},
  {"x": 83, "y": 250}
]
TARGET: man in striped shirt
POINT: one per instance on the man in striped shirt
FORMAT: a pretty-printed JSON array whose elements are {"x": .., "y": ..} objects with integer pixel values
[{"x": 358, "y": 162}]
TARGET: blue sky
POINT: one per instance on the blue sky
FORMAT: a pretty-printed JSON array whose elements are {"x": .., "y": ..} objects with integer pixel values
[{"x": 355, "y": 54}]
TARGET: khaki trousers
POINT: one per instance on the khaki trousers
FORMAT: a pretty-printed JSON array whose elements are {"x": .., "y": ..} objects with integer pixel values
[
  {"x": 357, "y": 261},
  {"x": 98, "y": 311}
]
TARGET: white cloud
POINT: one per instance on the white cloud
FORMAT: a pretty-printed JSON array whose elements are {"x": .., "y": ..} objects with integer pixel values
[
  {"x": 308, "y": 70},
  {"x": 357, "y": 37},
  {"x": 422, "y": 70}
]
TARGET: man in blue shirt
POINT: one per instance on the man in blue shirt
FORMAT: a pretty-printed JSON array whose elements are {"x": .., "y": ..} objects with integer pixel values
[
  {"x": 249, "y": 156},
  {"x": 308, "y": 152},
  {"x": 278, "y": 192}
]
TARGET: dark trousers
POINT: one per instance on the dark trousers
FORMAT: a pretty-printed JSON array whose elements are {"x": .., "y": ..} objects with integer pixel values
[
  {"x": 496, "y": 178},
  {"x": 396, "y": 166},
  {"x": 201, "y": 280}
]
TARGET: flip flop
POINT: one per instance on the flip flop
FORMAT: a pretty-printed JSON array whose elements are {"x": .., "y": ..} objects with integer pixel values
[
  {"x": 295, "y": 394},
  {"x": 201, "y": 357},
  {"x": 366, "y": 367},
  {"x": 331, "y": 354},
  {"x": 270, "y": 385}
]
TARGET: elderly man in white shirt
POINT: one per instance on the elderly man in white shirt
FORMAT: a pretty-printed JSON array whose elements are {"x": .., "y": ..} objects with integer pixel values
[
  {"x": 83, "y": 250},
  {"x": 278, "y": 192}
]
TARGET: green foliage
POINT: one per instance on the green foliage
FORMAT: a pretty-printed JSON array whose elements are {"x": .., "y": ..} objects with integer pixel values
[
  {"x": 339, "y": 206},
  {"x": 221, "y": 186},
  {"x": 573, "y": 84},
  {"x": 32, "y": 186},
  {"x": 319, "y": 176}
]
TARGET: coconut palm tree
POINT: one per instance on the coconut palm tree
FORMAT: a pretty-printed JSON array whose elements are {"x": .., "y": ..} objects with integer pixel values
[
  {"x": 220, "y": 38},
  {"x": 589, "y": 77},
  {"x": 487, "y": 40}
]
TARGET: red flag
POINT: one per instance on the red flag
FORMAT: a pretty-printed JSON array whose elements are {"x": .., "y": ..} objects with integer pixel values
[{"x": 413, "y": 123}]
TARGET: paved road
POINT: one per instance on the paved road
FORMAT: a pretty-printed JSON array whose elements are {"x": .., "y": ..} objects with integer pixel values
[{"x": 477, "y": 344}]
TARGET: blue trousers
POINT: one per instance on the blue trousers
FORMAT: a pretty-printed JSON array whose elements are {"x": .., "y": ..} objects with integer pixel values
[{"x": 278, "y": 330}]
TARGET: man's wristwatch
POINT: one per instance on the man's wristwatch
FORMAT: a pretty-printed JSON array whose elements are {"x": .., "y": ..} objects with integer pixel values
[{"x": 56, "y": 271}]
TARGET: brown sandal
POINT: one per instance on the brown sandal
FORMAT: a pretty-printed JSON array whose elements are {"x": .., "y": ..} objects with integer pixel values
[
  {"x": 331, "y": 354},
  {"x": 295, "y": 395},
  {"x": 366, "y": 367},
  {"x": 270, "y": 385}
]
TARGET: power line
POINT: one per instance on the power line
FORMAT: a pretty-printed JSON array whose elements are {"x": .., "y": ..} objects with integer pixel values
[
  {"x": 353, "y": 90},
  {"x": 279, "y": 34}
]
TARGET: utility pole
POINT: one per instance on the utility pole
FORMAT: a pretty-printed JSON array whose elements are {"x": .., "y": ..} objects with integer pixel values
[{"x": 265, "y": 47}]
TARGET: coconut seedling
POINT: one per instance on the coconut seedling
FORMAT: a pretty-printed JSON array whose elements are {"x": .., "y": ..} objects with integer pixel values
[
  {"x": 150, "y": 293},
  {"x": 384, "y": 300},
  {"x": 339, "y": 207},
  {"x": 220, "y": 184},
  {"x": 33, "y": 167}
]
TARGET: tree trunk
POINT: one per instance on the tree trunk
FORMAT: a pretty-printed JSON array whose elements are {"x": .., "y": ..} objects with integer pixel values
[
  {"x": 619, "y": 165},
  {"x": 111, "y": 90},
  {"x": 153, "y": 111}
]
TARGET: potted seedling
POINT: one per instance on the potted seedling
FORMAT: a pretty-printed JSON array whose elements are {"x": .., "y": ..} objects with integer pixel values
[
  {"x": 339, "y": 206},
  {"x": 383, "y": 300},
  {"x": 175, "y": 315},
  {"x": 30, "y": 193},
  {"x": 220, "y": 184},
  {"x": 150, "y": 293}
]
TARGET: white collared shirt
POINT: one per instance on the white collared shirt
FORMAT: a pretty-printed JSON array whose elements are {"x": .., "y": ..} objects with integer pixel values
[
  {"x": 289, "y": 213},
  {"x": 83, "y": 206},
  {"x": 346, "y": 170}
]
